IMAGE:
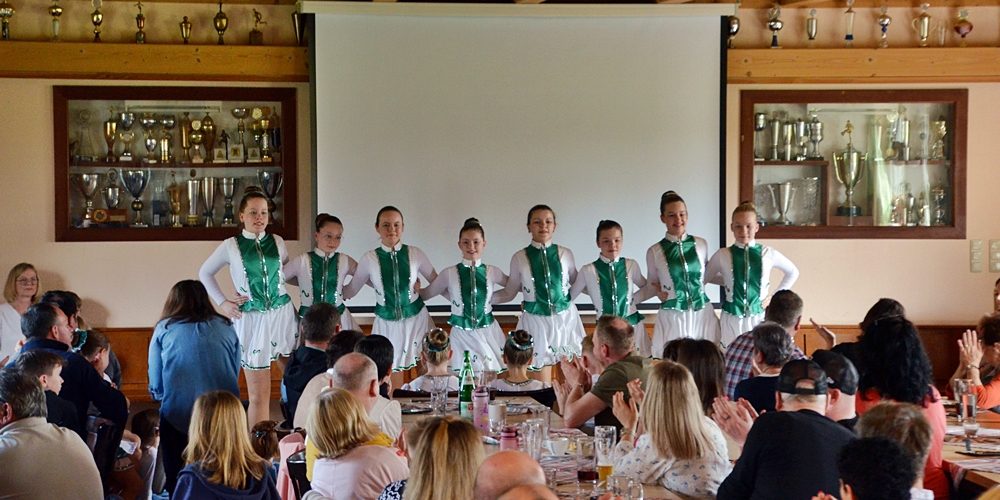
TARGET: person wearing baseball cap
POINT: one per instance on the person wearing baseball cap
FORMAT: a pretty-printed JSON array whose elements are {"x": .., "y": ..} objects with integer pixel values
[
  {"x": 842, "y": 387},
  {"x": 791, "y": 452}
]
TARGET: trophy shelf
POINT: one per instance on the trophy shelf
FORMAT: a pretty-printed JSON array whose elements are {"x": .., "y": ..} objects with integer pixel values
[
  {"x": 107, "y": 189},
  {"x": 901, "y": 152}
]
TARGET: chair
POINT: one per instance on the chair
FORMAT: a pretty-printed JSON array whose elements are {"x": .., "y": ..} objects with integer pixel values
[
  {"x": 107, "y": 436},
  {"x": 297, "y": 471},
  {"x": 545, "y": 396}
]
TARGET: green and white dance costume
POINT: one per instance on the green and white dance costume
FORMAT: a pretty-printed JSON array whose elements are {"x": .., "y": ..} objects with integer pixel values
[
  {"x": 469, "y": 286},
  {"x": 543, "y": 275},
  {"x": 744, "y": 272},
  {"x": 320, "y": 277},
  {"x": 400, "y": 314},
  {"x": 678, "y": 265},
  {"x": 615, "y": 288},
  {"x": 267, "y": 327}
]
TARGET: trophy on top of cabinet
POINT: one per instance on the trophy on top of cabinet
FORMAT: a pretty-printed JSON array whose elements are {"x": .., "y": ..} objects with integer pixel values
[
  {"x": 55, "y": 10},
  {"x": 734, "y": 24},
  {"x": 256, "y": 35},
  {"x": 812, "y": 28},
  {"x": 849, "y": 166},
  {"x": 884, "y": 20},
  {"x": 922, "y": 25},
  {"x": 774, "y": 24},
  {"x": 849, "y": 24},
  {"x": 185, "y": 26},
  {"x": 140, "y": 22},
  {"x": 6, "y": 12},
  {"x": 298, "y": 24},
  {"x": 97, "y": 18},
  {"x": 221, "y": 22},
  {"x": 962, "y": 25}
]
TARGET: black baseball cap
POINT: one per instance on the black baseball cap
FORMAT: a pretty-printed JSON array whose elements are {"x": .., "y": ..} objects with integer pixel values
[
  {"x": 796, "y": 371},
  {"x": 839, "y": 369}
]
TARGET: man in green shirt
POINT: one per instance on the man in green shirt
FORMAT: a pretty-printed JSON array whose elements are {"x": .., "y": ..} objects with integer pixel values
[{"x": 613, "y": 346}]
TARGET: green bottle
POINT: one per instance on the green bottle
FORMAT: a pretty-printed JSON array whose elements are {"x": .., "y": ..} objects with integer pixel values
[{"x": 467, "y": 379}]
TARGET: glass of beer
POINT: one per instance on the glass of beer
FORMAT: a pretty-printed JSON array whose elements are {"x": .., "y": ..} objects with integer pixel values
[
  {"x": 586, "y": 473},
  {"x": 604, "y": 445}
]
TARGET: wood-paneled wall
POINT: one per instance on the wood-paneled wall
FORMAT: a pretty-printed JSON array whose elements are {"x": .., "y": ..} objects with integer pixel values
[{"x": 131, "y": 345}]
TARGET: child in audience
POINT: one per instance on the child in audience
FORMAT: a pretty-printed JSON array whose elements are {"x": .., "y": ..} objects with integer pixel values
[
  {"x": 393, "y": 270},
  {"x": 905, "y": 424},
  {"x": 388, "y": 414},
  {"x": 873, "y": 468},
  {"x": 264, "y": 440},
  {"x": 435, "y": 356},
  {"x": 262, "y": 312},
  {"x": 220, "y": 461},
  {"x": 543, "y": 273},
  {"x": 517, "y": 354},
  {"x": 469, "y": 285},
  {"x": 589, "y": 360},
  {"x": 47, "y": 367},
  {"x": 319, "y": 324},
  {"x": 320, "y": 274},
  {"x": 614, "y": 283},
  {"x": 96, "y": 349},
  {"x": 676, "y": 269},
  {"x": 146, "y": 425},
  {"x": 743, "y": 269}
]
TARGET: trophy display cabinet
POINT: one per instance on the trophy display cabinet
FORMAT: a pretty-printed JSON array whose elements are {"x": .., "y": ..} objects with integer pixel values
[
  {"x": 171, "y": 163},
  {"x": 855, "y": 163}
]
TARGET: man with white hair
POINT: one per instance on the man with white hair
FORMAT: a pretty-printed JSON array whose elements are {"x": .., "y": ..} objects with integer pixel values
[
  {"x": 357, "y": 374},
  {"x": 792, "y": 452}
]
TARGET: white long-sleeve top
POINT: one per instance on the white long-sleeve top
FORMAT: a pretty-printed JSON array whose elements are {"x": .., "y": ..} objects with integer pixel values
[
  {"x": 299, "y": 272},
  {"x": 228, "y": 253},
  {"x": 720, "y": 271},
  {"x": 369, "y": 273},
  {"x": 588, "y": 282},
  {"x": 658, "y": 269},
  {"x": 448, "y": 284},
  {"x": 520, "y": 279}
]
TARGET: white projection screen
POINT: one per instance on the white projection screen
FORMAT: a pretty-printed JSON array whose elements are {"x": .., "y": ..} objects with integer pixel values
[{"x": 450, "y": 111}]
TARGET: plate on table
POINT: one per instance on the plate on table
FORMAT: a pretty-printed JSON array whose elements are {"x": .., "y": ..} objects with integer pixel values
[
  {"x": 518, "y": 408},
  {"x": 413, "y": 408}
]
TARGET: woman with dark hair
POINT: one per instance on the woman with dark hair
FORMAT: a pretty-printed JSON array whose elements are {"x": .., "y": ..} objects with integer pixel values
[
  {"x": 979, "y": 361},
  {"x": 194, "y": 350},
  {"x": 897, "y": 369},
  {"x": 883, "y": 309},
  {"x": 707, "y": 365}
]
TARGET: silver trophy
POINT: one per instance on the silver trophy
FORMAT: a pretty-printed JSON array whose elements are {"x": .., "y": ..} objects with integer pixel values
[
  {"x": 801, "y": 139},
  {"x": 815, "y": 137},
  {"x": 270, "y": 184},
  {"x": 126, "y": 119},
  {"x": 939, "y": 129},
  {"x": 135, "y": 183},
  {"x": 734, "y": 25},
  {"x": 774, "y": 24},
  {"x": 208, "y": 188},
  {"x": 781, "y": 194},
  {"x": 849, "y": 166},
  {"x": 167, "y": 139},
  {"x": 87, "y": 185},
  {"x": 112, "y": 193},
  {"x": 194, "y": 186},
  {"x": 149, "y": 122},
  {"x": 787, "y": 137},
  {"x": 774, "y": 154},
  {"x": 759, "y": 125},
  {"x": 938, "y": 195},
  {"x": 228, "y": 185}
]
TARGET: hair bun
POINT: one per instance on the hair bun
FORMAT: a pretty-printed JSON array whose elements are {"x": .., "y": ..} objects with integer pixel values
[{"x": 471, "y": 221}]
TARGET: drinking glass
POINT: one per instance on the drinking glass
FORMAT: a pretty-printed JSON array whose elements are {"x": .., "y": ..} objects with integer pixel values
[
  {"x": 967, "y": 407},
  {"x": 604, "y": 444},
  {"x": 543, "y": 413},
  {"x": 486, "y": 378},
  {"x": 498, "y": 416},
  {"x": 586, "y": 473},
  {"x": 439, "y": 394},
  {"x": 532, "y": 432},
  {"x": 959, "y": 387}
]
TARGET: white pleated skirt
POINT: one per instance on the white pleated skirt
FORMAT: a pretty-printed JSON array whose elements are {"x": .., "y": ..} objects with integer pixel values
[
  {"x": 672, "y": 324},
  {"x": 265, "y": 335},
  {"x": 485, "y": 346},
  {"x": 734, "y": 326},
  {"x": 643, "y": 344},
  {"x": 555, "y": 337},
  {"x": 347, "y": 321},
  {"x": 407, "y": 337}
]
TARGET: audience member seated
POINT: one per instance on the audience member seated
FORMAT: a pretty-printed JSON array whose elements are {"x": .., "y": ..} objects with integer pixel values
[
  {"x": 539, "y": 492},
  {"x": 320, "y": 323},
  {"x": 264, "y": 440},
  {"x": 784, "y": 309},
  {"x": 71, "y": 305},
  {"x": 680, "y": 448},
  {"x": 505, "y": 470},
  {"x": 884, "y": 308},
  {"x": 194, "y": 350},
  {"x": 146, "y": 425},
  {"x": 518, "y": 351},
  {"x": 979, "y": 361},
  {"x": 47, "y": 329},
  {"x": 445, "y": 453},
  {"x": 705, "y": 361},
  {"x": 613, "y": 347},
  {"x": 791, "y": 452},
  {"x": 435, "y": 356},
  {"x": 772, "y": 348},
  {"x": 905, "y": 424},
  {"x": 589, "y": 360},
  {"x": 357, "y": 374},
  {"x": 47, "y": 368},
  {"x": 842, "y": 387},
  {"x": 897, "y": 369},
  {"x": 97, "y": 350},
  {"x": 341, "y": 344},
  {"x": 379, "y": 349},
  {"x": 220, "y": 460},
  {"x": 353, "y": 461},
  {"x": 874, "y": 469},
  {"x": 19, "y": 292},
  {"x": 39, "y": 459}
]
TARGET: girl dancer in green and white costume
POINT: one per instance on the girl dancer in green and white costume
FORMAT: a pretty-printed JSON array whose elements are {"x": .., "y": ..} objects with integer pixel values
[
  {"x": 392, "y": 270},
  {"x": 469, "y": 285},
  {"x": 543, "y": 273},
  {"x": 320, "y": 273},
  {"x": 614, "y": 283},
  {"x": 262, "y": 312},
  {"x": 744, "y": 271},
  {"x": 676, "y": 265}
]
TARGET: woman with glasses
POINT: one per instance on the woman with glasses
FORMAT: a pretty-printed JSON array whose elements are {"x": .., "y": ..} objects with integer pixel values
[{"x": 19, "y": 292}]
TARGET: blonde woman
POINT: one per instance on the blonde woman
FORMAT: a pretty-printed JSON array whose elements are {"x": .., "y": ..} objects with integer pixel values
[
  {"x": 681, "y": 448},
  {"x": 19, "y": 292},
  {"x": 221, "y": 461},
  {"x": 351, "y": 464},
  {"x": 445, "y": 454}
]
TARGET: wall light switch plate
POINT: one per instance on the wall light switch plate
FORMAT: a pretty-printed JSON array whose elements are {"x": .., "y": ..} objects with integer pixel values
[
  {"x": 976, "y": 257},
  {"x": 995, "y": 256}
]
